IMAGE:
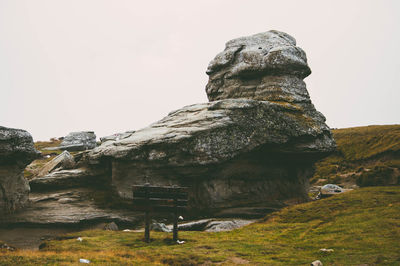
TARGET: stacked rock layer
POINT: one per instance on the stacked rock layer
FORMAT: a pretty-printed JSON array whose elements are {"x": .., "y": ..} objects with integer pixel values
[{"x": 267, "y": 67}]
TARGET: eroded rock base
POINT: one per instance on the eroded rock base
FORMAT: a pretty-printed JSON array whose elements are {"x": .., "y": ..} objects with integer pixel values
[{"x": 246, "y": 187}]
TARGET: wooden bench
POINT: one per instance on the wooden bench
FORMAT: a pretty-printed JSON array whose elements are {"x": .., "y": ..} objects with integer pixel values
[{"x": 160, "y": 199}]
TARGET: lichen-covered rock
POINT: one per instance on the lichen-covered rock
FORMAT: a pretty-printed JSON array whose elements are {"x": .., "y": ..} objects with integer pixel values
[
  {"x": 77, "y": 141},
  {"x": 16, "y": 152},
  {"x": 265, "y": 66}
]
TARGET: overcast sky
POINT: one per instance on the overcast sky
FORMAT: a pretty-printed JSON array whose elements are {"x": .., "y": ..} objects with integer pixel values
[{"x": 113, "y": 66}]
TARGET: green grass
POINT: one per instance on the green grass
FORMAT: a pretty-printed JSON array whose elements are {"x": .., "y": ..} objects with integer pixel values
[
  {"x": 41, "y": 145},
  {"x": 361, "y": 149},
  {"x": 362, "y": 226},
  {"x": 359, "y": 143}
]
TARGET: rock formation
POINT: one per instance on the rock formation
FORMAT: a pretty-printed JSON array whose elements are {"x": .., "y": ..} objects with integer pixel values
[
  {"x": 16, "y": 152},
  {"x": 248, "y": 151},
  {"x": 77, "y": 141},
  {"x": 252, "y": 147}
]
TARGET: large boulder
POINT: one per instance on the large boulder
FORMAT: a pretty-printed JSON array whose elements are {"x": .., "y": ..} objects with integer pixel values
[
  {"x": 16, "y": 152},
  {"x": 253, "y": 146}
]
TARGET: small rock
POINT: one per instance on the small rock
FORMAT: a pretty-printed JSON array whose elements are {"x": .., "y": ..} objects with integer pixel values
[
  {"x": 84, "y": 261},
  {"x": 327, "y": 250},
  {"x": 199, "y": 225},
  {"x": 331, "y": 189},
  {"x": 5, "y": 246},
  {"x": 111, "y": 227},
  {"x": 219, "y": 226},
  {"x": 316, "y": 263},
  {"x": 160, "y": 227}
]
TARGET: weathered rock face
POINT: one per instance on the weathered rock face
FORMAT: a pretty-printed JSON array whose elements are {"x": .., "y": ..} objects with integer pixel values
[
  {"x": 232, "y": 153},
  {"x": 116, "y": 136},
  {"x": 16, "y": 152},
  {"x": 266, "y": 66},
  {"x": 77, "y": 141},
  {"x": 62, "y": 179},
  {"x": 72, "y": 207},
  {"x": 70, "y": 198},
  {"x": 250, "y": 149}
]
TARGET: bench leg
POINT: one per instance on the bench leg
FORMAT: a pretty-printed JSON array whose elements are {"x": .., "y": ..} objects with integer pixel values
[
  {"x": 175, "y": 227},
  {"x": 175, "y": 237},
  {"x": 147, "y": 227}
]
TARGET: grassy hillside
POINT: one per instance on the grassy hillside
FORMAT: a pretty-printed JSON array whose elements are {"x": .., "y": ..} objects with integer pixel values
[
  {"x": 359, "y": 143},
  {"x": 362, "y": 227},
  {"x": 366, "y": 156}
]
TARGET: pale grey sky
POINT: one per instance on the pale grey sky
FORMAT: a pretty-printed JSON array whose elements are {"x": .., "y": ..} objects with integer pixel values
[{"x": 113, "y": 66}]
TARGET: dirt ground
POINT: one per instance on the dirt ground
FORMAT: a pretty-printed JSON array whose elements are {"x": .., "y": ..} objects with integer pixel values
[{"x": 29, "y": 238}]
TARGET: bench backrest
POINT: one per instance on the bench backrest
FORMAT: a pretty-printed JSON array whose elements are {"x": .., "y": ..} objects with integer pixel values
[{"x": 160, "y": 199}]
